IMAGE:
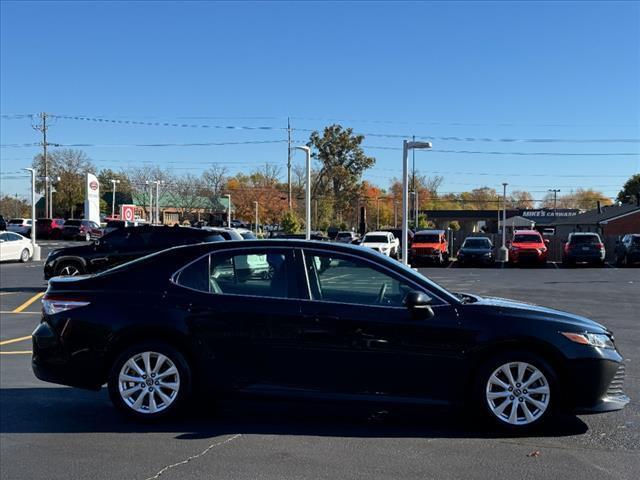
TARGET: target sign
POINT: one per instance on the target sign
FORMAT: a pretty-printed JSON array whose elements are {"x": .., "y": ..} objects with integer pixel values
[{"x": 128, "y": 212}]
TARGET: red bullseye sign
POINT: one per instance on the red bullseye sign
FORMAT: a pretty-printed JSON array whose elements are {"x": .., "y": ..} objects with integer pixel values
[
  {"x": 93, "y": 185},
  {"x": 127, "y": 212}
]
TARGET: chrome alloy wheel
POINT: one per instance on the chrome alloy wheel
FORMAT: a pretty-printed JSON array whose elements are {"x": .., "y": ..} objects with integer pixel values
[
  {"x": 148, "y": 382},
  {"x": 518, "y": 393}
]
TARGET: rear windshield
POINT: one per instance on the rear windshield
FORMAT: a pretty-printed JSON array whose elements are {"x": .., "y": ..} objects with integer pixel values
[
  {"x": 16, "y": 221},
  {"x": 72, "y": 223},
  {"x": 526, "y": 239},
  {"x": 248, "y": 236},
  {"x": 115, "y": 224},
  {"x": 375, "y": 239},
  {"x": 476, "y": 243},
  {"x": 585, "y": 239},
  {"x": 431, "y": 238}
]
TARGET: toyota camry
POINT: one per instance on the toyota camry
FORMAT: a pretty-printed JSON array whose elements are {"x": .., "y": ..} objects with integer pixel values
[{"x": 315, "y": 319}]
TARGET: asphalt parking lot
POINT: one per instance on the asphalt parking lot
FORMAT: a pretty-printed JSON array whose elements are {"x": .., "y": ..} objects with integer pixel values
[{"x": 54, "y": 432}]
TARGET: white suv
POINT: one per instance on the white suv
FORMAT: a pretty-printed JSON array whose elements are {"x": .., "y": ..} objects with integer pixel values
[
  {"x": 20, "y": 225},
  {"x": 383, "y": 242}
]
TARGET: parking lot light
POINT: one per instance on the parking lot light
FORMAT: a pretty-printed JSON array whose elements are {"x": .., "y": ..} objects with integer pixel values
[
  {"x": 504, "y": 251},
  {"x": 307, "y": 198},
  {"x": 36, "y": 248},
  {"x": 113, "y": 196},
  {"x": 406, "y": 146},
  {"x": 228, "y": 209}
]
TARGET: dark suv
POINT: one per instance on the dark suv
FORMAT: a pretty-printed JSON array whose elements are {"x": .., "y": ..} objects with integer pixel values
[
  {"x": 628, "y": 249},
  {"x": 121, "y": 246},
  {"x": 583, "y": 247}
]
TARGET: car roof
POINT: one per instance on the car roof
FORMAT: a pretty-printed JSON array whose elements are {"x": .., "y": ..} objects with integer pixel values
[
  {"x": 526, "y": 232},
  {"x": 477, "y": 238},
  {"x": 578, "y": 234},
  {"x": 421, "y": 232},
  {"x": 377, "y": 232}
]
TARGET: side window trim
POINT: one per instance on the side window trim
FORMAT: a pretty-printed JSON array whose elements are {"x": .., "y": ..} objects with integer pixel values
[{"x": 391, "y": 273}]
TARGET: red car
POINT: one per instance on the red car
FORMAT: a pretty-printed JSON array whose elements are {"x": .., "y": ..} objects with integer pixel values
[
  {"x": 528, "y": 246},
  {"x": 49, "y": 228}
]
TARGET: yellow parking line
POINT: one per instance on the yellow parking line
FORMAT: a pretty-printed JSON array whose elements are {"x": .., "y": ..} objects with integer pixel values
[
  {"x": 28, "y": 302},
  {"x": 19, "y": 313},
  {"x": 17, "y": 352},
  {"x": 14, "y": 340}
]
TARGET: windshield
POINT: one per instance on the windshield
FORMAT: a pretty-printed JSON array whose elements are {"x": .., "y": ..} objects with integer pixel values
[
  {"x": 585, "y": 239},
  {"x": 526, "y": 239},
  {"x": 375, "y": 239},
  {"x": 426, "y": 238},
  {"x": 476, "y": 243}
]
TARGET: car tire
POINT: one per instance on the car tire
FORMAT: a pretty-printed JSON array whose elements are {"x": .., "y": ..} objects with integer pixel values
[
  {"x": 25, "y": 255},
  {"x": 152, "y": 390},
  {"x": 69, "y": 268},
  {"x": 87, "y": 237},
  {"x": 532, "y": 409}
]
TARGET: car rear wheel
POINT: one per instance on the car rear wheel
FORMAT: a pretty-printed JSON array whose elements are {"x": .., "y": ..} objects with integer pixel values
[
  {"x": 69, "y": 269},
  {"x": 24, "y": 256},
  {"x": 516, "y": 391},
  {"x": 149, "y": 380}
]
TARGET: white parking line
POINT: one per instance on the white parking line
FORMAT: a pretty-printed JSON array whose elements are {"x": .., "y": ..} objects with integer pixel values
[{"x": 555, "y": 264}]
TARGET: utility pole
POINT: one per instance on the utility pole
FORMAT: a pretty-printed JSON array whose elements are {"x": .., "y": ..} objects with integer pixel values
[
  {"x": 113, "y": 196},
  {"x": 413, "y": 186},
  {"x": 555, "y": 200},
  {"x": 42, "y": 128},
  {"x": 377, "y": 213},
  {"x": 289, "y": 162}
]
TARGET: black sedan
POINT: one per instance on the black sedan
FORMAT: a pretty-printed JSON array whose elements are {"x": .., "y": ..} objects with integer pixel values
[
  {"x": 316, "y": 319},
  {"x": 476, "y": 251},
  {"x": 120, "y": 246}
]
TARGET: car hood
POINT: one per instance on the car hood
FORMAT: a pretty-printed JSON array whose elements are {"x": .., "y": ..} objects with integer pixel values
[
  {"x": 75, "y": 251},
  {"x": 376, "y": 245},
  {"x": 475, "y": 250},
  {"x": 537, "y": 312}
]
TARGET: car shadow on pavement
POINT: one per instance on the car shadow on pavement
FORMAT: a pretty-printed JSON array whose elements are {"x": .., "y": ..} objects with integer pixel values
[
  {"x": 66, "y": 410},
  {"x": 22, "y": 289}
]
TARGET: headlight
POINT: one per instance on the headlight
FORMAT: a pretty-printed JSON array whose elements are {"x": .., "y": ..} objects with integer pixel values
[
  {"x": 599, "y": 340},
  {"x": 488, "y": 254}
]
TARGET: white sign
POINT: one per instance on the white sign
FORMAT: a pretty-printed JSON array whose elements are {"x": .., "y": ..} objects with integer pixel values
[
  {"x": 128, "y": 212},
  {"x": 92, "y": 199}
]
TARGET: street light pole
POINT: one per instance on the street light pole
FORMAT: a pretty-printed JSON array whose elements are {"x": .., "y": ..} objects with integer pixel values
[
  {"x": 377, "y": 213},
  {"x": 36, "y": 248},
  {"x": 307, "y": 197},
  {"x": 406, "y": 146},
  {"x": 158, "y": 183},
  {"x": 113, "y": 196},
  {"x": 256, "y": 202},
  {"x": 504, "y": 251},
  {"x": 228, "y": 209}
]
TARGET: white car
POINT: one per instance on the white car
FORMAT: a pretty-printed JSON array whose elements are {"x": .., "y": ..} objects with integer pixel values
[
  {"x": 20, "y": 225},
  {"x": 383, "y": 242},
  {"x": 14, "y": 246}
]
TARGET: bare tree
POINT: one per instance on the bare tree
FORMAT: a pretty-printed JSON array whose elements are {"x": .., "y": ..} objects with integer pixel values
[
  {"x": 186, "y": 195},
  {"x": 214, "y": 180},
  {"x": 142, "y": 179}
]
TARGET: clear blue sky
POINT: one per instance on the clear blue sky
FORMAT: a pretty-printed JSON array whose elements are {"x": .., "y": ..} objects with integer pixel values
[{"x": 517, "y": 70}]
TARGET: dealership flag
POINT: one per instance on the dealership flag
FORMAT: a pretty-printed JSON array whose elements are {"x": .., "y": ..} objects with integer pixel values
[{"x": 92, "y": 199}]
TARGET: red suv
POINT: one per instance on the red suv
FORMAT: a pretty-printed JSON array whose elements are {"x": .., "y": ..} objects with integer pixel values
[
  {"x": 49, "y": 228},
  {"x": 528, "y": 246}
]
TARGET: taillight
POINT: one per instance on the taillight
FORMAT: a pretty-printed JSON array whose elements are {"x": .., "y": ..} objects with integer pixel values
[
  {"x": 52, "y": 304},
  {"x": 599, "y": 246}
]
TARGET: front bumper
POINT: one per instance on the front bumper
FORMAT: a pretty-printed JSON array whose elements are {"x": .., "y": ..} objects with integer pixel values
[{"x": 595, "y": 386}]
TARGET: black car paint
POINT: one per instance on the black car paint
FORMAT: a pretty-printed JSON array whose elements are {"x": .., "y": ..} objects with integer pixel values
[{"x": 298, "y": 346}]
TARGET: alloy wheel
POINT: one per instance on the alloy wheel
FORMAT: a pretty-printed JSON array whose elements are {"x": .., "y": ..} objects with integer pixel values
[
  {"x": 69, "y": 270},
  {"x": 518, "y": 393},
  {"x": 149, "y": 382},
  {"x": 24, "y": 256}
]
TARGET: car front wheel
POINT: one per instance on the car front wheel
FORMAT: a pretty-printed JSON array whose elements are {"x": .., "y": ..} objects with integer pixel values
[
  {"x": 24, "y": 256},
  {"x": 69, "y": 269},
  {"x": 149, "y": 380},
  {"x": 515, "y": 391}
]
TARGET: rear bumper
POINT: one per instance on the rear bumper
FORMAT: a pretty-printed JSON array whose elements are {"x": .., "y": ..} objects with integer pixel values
[{"x": 52, "y": 362}]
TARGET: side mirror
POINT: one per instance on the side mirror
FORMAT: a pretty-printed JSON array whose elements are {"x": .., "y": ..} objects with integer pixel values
[
  {"x": 418, "y": 304},
  {"x": 546, "y": 240}
]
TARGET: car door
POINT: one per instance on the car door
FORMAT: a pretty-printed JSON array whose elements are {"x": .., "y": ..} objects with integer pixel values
[
  {"x": 5, "y": 246},
  {"x": 358, "y": 336},
  {"x": 12, "y": 246},
  {"x": 231, "y": 299}
]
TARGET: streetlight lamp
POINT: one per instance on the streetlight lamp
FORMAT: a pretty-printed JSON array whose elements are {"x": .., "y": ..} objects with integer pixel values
[
  {"x": 158, "y": 183},
  {"x": 307, "y": 197},
  {"x": 406, "y": 146},
  {"x": 36, "y": 248},
  {"x": 504, "y": 251},
  {"x": 555, "y": 200},
  {"x": 228, "y": 209},
  {"x": 147, "y": 182},
  {"x": 113, "y": 196}
]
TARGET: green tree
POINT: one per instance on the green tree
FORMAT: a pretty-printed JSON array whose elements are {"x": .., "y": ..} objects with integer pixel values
[
  {"x": 342, "y": 163},
  {"x": 290, "y": 222},
  {"x": 630, "y": 189},
  {"x": 14, "y": 207}
]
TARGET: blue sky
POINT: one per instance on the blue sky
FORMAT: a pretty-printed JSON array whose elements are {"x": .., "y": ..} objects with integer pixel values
[{"x": 467, "y": 70}]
